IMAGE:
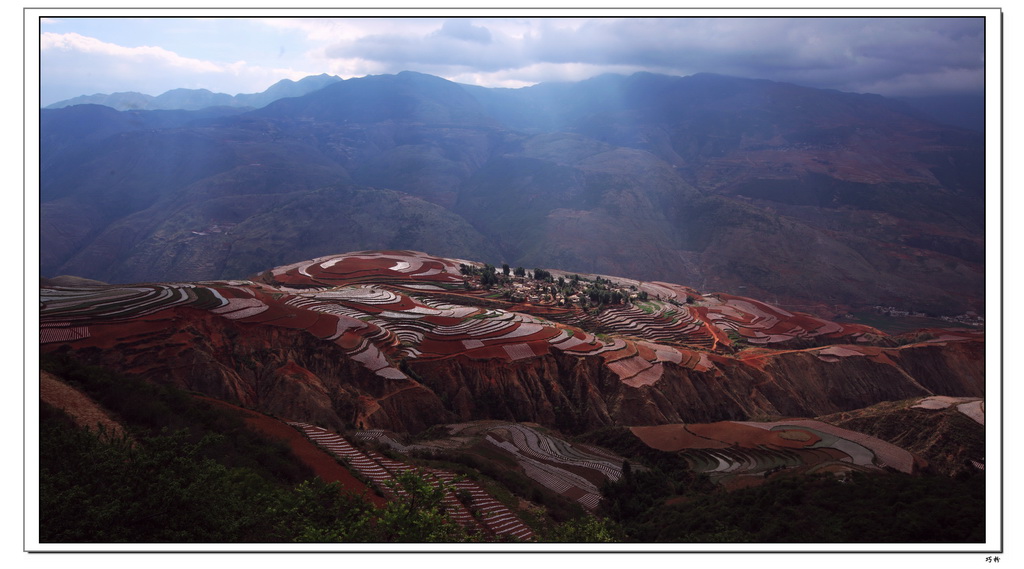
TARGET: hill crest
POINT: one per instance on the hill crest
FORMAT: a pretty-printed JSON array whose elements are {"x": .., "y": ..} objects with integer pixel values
[{"x": 403, "y": 340}]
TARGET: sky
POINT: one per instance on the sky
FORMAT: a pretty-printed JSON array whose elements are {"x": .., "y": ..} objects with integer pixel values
[{"x": 892, "y": 56}]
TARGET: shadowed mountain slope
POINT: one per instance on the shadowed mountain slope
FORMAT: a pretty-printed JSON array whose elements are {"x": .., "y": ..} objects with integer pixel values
[{"x": 818, "y": 200}]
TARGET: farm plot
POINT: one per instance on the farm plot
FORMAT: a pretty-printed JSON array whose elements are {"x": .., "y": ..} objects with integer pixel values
[
  {"x": 660, "y": 322},
  {"x": 731, "y": 448},
  {"x": 970, "y": 406},
  {"x": 492, "y": 334},
  {"x": 764, "y": 324},
  {"x": 481, "y": 512},
  {"x": 71, "y": 314},
  {"x": 973, "y": 409},
  {"x": 116, "y": 303},
  {"x": 573, "y": 471},
  {"x": 864, "y": 450},
  {"x": 371, "y": 267},
  {"x": 371, "y": 322},
  {"x": 673, "y": 438}
]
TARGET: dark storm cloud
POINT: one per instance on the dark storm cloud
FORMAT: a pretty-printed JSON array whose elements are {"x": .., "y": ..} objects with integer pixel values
[
  {"x": 841, "y": 53},
  {"x": 889, "y": 55},
  {"x": 458, "y": 43}
]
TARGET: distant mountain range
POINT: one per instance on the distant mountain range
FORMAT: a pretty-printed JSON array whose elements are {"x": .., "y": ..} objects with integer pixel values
[
  {"x": 964, "y": 111},
  {"x": 817, "y": 200},
  {"x": 198, "y": 99}
]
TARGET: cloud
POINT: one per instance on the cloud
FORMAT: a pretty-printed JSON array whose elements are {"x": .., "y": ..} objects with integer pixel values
[
  {"x": 454, "y": 45},
  {"x": 73, "y": 65},
  {"x": 537, "y": 73},
  {"x": 881, "y": 55},
  {"x": 72, "y": 42},
  {"x": 840, "y": 53},
  {"x": 462, "y": 29},
  {"x": 778, "y": 47},
  {"x": 928, "y": 83}
]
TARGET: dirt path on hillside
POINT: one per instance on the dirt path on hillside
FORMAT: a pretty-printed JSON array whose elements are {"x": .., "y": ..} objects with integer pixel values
[{"x": 83, "y": 411}]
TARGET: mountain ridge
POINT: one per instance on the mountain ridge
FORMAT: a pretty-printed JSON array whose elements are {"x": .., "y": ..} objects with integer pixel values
[
  {"x": 814, "y": 197},
  {"x": 199, "y": 99},
  {"x": 962, "y": 111}
]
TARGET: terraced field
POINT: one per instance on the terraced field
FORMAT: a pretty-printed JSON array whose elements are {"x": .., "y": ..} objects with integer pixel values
[
  {"x": 762, "y": 324},
  {"x": 657, "y": 321},
  {"x": 480, "y": 512},
  {"x": 386, "y": 308},
  {"x": 731, "y": 451},
  {"x": 380, "y": 308},
  {"x": 575, "y": 471},
  {"x": 418, "y": 270},
  {"x": 969, "y": 406},
  {"x": 405, "y": 341}
]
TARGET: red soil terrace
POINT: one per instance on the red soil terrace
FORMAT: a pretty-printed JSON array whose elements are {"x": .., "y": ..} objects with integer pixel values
[{"x": 323, "y": 464}]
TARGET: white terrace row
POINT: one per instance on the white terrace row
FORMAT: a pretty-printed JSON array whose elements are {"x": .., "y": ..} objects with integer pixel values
[
  {"x": 340, "y": 447},
  {"x": 378, "y": 435},
  {"x": 412, "y": 264},
  {"x": 353, "y": 319},
  {"x": 368, "y": 354},
  {"x": 340, "y": 310},
  {"x": 370, "y": 295},
  {"x": 742, "y": 312},
  {"x": 113, "y": 303},
  {"x": 655, "y": 327},
  {"x": 493, "y": 514},
  {"x": 455, "y": 509},
  {"x": 489, "y": 322},
  {"x": 330, "y": 308},
  {"x": 552, "y": 477},
  {"x": 736, "y": 313},
  {"x": 241, "y": 308},
  {"x": 720, "y": 461},
  {"x": 633, "y": 320},
  {"x": 551, "y": 448},
  {"x": 58, "y": 333},
  {"x": 447, "y": 309},
  {"x": 567, "y": 341},
  {"x": 302, "y": 265},
  {"x": 664, "y": 290},
  {"x": 733, "y": 460},
  {"x": 863, "y": 449}
]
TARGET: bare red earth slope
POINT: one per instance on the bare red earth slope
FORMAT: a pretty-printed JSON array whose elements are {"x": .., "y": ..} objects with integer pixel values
[{"x": 404, "y": 340}]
